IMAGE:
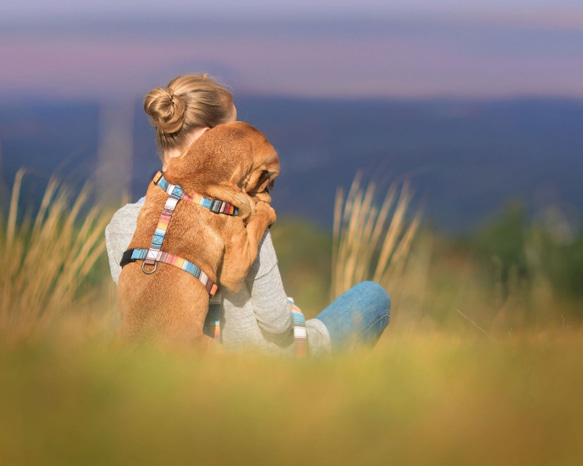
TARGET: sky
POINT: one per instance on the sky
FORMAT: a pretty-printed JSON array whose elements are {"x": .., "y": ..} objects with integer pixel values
[{"x": 308, "y": 48}]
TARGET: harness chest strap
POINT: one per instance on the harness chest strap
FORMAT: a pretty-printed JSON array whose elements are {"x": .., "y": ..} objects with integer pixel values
[{"x": 132, "y": 255}]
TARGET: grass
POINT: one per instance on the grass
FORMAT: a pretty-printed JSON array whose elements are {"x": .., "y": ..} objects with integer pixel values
[
  {"x": 47, "y": 260},
  {"x": 431, "y": 392},
  {"x": 370, "y": 242},
  {"x": 416, "y": 399}
]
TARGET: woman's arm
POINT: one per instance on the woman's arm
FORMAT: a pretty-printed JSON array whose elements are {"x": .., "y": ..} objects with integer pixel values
[{"x": 270, "y": 303}]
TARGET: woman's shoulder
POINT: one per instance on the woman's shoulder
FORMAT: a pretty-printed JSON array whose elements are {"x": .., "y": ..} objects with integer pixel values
[
  {"x": 130, "y": 209},
  {"x": 119, "y": 233},
  {"x": 126, "y": 215}
]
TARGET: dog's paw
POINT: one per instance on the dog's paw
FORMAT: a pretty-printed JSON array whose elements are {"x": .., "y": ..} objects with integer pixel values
[
  {"x": 262, "y": 197},
  {"x": 263, "y": 209}
]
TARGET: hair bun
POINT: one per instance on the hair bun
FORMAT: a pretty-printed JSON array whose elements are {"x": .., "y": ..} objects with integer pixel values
[{"x": 166, "y": 109}]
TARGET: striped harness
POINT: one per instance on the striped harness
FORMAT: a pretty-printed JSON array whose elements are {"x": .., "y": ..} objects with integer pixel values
[{"x": 153, "y": 255}]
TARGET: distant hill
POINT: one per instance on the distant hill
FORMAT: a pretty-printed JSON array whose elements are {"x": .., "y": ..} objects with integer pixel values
[{"x": 466, "y": 159}]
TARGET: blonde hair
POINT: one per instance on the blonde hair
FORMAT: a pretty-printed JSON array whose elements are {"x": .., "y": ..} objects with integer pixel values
[{"x": 189, "y": 102}]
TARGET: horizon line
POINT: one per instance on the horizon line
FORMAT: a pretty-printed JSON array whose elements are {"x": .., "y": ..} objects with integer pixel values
[{"x": 31, "y": 98}]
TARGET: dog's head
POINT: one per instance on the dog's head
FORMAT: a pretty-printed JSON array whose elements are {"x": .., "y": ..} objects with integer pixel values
[
  {"x": 260, "y": 178},
  {"x": 232, "y": 154}
]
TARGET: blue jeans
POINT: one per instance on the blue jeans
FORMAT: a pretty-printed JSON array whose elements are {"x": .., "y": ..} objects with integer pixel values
[{"x": 358, "y": 316}]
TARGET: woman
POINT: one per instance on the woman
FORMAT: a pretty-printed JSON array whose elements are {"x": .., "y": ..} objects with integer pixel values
[{"x": 259, "y": 316}]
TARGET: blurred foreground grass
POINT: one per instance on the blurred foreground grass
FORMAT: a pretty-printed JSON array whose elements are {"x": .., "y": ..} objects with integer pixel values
[
  {"x": 480, "y": 365},
  {"x": 424, "y": 398}
]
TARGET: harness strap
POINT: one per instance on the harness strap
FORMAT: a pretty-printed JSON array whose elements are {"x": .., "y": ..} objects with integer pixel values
[
  {"x": 133, "y": 255},
  {"x": 300, "y": 332},
  {"x": 214, "y": 205},
  {"x": 158, "y": 239},
  {"x": 212, "y": 324}
]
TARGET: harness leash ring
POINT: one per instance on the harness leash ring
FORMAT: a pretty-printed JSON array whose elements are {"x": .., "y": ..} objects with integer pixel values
[{"x": 151, "y": 271}]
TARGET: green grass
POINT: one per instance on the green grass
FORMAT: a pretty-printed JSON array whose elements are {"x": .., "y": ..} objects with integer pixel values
[{"x": 415, "y": 399}]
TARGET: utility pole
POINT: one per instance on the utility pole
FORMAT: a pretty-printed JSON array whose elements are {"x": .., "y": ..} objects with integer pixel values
[
  {"x": 115, "y": 152},
  {"x": 4, "y": 196}
]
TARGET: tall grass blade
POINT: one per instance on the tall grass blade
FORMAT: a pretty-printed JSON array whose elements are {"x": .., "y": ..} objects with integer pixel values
[
  {"x": 48, "y": 261},
  {"x": 370, "y": 242}
]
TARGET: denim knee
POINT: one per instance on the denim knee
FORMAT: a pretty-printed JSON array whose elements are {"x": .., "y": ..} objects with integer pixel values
[
  {"x": 358, "y": 315},
  {"x": 377, "y": 293}
]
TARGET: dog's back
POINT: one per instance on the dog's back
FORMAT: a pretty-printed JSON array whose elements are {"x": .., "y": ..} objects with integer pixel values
[{"x": 170, "y": 305}]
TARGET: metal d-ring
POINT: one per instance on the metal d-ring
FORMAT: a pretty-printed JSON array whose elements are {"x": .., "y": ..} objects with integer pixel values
[{"x": 151, "y": 271}]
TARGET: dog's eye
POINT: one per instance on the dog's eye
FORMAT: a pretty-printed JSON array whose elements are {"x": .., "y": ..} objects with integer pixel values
[
  {"x": 264, "y": 176},
  {"x": 269, "y": 184}
]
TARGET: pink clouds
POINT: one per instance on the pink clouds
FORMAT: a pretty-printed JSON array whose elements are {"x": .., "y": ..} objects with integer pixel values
[
  {"x": 384, "y": 62},
  {"x": 79, "y": 66}
]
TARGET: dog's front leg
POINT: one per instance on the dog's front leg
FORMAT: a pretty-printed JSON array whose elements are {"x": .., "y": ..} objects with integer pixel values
[
  {"x": 242, "y": 248},
  {"x": 235, "y": 197}
]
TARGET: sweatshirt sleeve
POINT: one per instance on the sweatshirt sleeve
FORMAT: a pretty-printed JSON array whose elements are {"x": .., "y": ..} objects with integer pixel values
[
  {"x": 270, "y": 303},
  {"x": 118, "y": 235}
]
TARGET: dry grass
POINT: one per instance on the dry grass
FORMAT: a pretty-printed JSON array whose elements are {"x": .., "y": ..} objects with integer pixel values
[
  {"x": 370, "y": 242},
  {"x": 421, "y": 397},
  {"x": 46, "y": 260}
]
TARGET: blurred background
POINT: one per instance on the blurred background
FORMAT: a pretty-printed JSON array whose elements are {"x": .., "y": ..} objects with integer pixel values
[
  {"x": 433, "y": 146},
  {"x": 478, "y": 104}
]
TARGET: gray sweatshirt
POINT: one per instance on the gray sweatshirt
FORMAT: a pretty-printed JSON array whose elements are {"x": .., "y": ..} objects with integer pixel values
[{"x": 257, "y": 317}]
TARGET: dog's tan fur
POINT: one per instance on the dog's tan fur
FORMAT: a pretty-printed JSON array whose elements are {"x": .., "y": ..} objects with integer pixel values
[{"x": 233, "y": 162}]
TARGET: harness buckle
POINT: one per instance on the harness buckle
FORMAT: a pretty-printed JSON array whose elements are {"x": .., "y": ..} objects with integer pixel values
[
  {"x": 216, "y": 205},
  {"x": 157, "y": 177}
]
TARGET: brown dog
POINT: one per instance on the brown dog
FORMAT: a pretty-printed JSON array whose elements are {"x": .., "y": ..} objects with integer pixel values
[{"x": 232, "y": 162}]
